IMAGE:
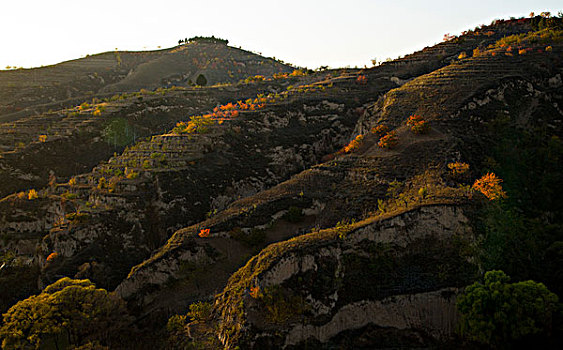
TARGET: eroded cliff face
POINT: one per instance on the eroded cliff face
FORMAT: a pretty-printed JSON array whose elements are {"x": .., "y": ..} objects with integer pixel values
[{"x": 401, "y": 273}]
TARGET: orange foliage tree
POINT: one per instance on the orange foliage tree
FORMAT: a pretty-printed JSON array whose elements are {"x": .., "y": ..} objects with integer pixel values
[
  {"x": 52, "y": 256},
  {"x": 418, "y": 124},
  {"x": 390, "y": 140},
  {"x": 354, "y": 144},
  {"x": 490, "y": 186},
  {"x": 204, "y": 232},
  {"x": 379, "y": 130},
  {"x": 255, "y": 292}
]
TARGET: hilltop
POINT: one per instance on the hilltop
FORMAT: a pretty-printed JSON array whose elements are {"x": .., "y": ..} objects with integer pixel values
[
  {"x": 345, "y": 208},
  {"x": 28, "y": 91}
]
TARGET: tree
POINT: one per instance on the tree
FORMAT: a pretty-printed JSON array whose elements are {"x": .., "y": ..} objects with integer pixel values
[
  {"x": 498, "y": 312},
  {"x": 201, "y": 80},
  {"x": 67, "y": 313}
]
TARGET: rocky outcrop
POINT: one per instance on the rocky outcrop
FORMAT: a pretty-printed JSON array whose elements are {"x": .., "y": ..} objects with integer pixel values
[
  {"x": 401, "y": 272},
  {"x": 433, "y": 314}
]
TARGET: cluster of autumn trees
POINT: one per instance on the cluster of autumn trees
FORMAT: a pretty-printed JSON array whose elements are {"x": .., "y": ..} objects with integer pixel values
[
  {"x": 201, "y": 124},
  {"x": 276, "y": 76}
]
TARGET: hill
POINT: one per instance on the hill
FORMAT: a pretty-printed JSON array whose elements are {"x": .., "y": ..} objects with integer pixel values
[
  {"x": 28, "y": 91},
  {"x": 88, "y": 126},
  {"x": 347, "y": 208}
]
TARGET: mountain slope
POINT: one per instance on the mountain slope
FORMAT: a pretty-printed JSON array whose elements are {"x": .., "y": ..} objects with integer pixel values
[
  {"x": 24, "y": 91},
  {"x": 276, "y": 300},
  {"x": 292, "y": 224}
]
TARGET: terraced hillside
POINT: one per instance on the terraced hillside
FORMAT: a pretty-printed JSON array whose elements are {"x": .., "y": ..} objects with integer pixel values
[
  {"x": 26, "y": 91},
  {"x": 376, "y": 274},
  {"x": 32, "y": 146},
  {"x": 331, "y": 210},
  {"x": 137, "y": 199}
]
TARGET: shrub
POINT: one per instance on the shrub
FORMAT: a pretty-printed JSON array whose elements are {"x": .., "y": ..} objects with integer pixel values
[
  {"x": 255, "y": 292},
  {"x": 68, "y": 195},
  {"x": 458, "y": 168},
  {"x": 32, "y": 194},
  {"x": 84, "y": 106},
  {"x": 297, "y": 73},
  {"x": 78, "y": 217},
  {"x": 204, "y": 232},
  {"x": 201, "y": 80},
  {"x": 388, "y": 141},
  {"x": 423, "y": 192},
  {"x": 418, "y": 124},
  {"x": 294, "y": 214},
  {"x": 498, "y": 312},
  {"x": 98, "y": 112},
  {"x": 200, "y": 311},
  {"x": 52, "y": 257},
  {"x": 354, "y": 144},
  {"x": 380, "y": 130},
  {"x": 280, "y": 75},
  {"x": 281, "y": 305},
  {"x": 254, "y": 79},
  {"x": 490, "y": 186},
  {"x": 102, "y": 183},
  {"x": 197, "y": 124},
  {"x": 130, "y": 174}
]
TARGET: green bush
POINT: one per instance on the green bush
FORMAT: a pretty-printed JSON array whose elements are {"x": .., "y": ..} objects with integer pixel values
[
  {"x": 253, "y": 238},
  {"x": 200, "y": 311},
  {"x": 201, "y": 80},
  {"x": 281, "y": 305},
  {"x": 497, "y": 312},
  {"x": 67, "y": 314},
  {"x": 294, "y": 214}
]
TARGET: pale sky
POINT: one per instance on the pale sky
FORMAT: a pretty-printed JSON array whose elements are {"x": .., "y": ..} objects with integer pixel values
[{"x": 308, "y": 33}]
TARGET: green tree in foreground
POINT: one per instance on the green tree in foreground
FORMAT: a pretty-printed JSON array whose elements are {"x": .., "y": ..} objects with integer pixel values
[
  {"x": 498, "y": 312},
  {"x": 68, "y": 313}
]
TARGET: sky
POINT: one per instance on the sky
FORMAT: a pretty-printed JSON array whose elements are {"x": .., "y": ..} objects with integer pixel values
[{"x": 307, "y": 33}]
